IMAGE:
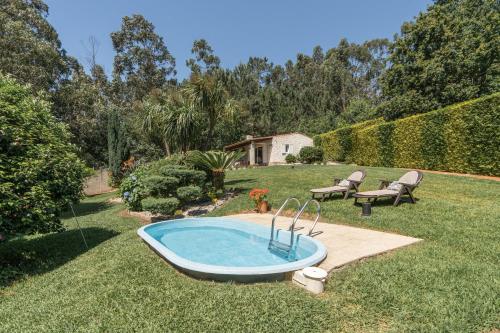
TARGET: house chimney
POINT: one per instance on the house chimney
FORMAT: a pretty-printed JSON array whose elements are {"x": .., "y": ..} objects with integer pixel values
[{"x": 249, "y": 137}]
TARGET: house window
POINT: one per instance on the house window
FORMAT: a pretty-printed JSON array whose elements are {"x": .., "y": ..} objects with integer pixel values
[{"x": 287, "y": 149}]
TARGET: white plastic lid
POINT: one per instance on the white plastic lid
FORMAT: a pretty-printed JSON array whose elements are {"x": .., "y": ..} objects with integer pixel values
[{"x": 315, "y": 273}]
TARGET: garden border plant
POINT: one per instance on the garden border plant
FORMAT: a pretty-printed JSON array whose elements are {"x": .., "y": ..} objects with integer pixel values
[{"x": 463, "y": 138}]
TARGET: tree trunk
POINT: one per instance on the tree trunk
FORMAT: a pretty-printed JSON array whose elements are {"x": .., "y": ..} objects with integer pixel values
[
  {"x": 218, "y": 179},
  {"x": 167, "y": 148}
]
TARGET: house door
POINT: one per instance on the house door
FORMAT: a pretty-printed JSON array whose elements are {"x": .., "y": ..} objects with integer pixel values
[{"x": 259, "y": 159}]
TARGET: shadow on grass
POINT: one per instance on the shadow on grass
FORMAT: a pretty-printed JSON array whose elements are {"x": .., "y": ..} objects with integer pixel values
[
  {"x": 24, "y": 257},
  {"x": 388, "y": 202},
  {"x": 86, "y": 208}
]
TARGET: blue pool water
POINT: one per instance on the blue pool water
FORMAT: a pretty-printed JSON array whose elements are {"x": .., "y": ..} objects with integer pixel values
[{"x": 224, "y": 248}]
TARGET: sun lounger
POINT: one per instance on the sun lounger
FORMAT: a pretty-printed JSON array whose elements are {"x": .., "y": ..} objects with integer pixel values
[
  {"x": 344, "y": 186},
  {"x": 397, "y": 189}
]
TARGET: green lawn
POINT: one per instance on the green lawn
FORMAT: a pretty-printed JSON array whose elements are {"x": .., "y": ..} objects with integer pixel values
[{"x": 448, "y": 283}]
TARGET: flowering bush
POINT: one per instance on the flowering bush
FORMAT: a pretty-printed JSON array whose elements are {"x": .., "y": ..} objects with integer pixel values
[
  {"x": 132, "y": 192},
  {"x": 258, "y": 195}
]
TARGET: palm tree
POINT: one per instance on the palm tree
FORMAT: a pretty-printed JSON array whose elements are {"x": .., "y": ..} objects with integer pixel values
[
  {"x": 208, "y": 94},
  {"x": 174, "y": 119},
  {"x": 154, "y": 123},
  {"x": 216, "y": 162}
]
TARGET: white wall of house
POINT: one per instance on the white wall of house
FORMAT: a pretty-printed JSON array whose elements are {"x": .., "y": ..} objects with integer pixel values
[{"x": 285, "y": 144}]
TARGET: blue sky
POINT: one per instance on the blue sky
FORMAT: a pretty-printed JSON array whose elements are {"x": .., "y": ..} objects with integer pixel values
[{"x": 235, "y": 29}]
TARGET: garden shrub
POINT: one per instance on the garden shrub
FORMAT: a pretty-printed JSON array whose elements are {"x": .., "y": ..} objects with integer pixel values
[
  {"x": 310, "y": 154},
  {"x": 40, "y": 173},
  {"x": 317, "y": 141},
  {"x": 463, "y": 137},
  {"x": 160, "y": 179},
  {"x": 132, "y": 191},
  {"x": 186, "y": 176},
  {"x": 290, "y": 158},
  {"x": 159, "y": 186},
  {"x": 164, "y": 206},
  {"x": 189, "y": 193}
]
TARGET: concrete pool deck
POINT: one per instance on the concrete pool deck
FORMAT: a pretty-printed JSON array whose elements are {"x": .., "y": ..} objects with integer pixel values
[{"x": 345, "y": 244}]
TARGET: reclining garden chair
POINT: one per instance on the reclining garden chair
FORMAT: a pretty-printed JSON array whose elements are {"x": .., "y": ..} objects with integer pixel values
[
  {"x": 344, "y": 186},
  {"x": 396, "y": 189}
]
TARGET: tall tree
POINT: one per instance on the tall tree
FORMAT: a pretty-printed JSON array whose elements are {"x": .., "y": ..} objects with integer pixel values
[
  {"x": 450, "y": 53},
  {"x": 205, "y": 61},
  {"x": 30, "y": 49},
  {"x": 81, "y": 102},
  {"x": 118, "y": 145},
  {"x": 142, "y": 61}
]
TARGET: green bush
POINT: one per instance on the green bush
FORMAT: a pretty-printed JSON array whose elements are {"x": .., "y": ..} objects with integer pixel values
[
  {"x": 160, "y": 179},
  {"x": 159, "y": 186},
  {"x": 40, "y": 173},
  {"x": 189, "y": 193},
  {"x": 290, "y": 158},
  {"x": 186, "y": 176},
  {"x": 164, "y": 206},
  {"x": 132, "y": 191},
  {"x": 310, "y": 155},
  {"x": 463, "y": 137}
]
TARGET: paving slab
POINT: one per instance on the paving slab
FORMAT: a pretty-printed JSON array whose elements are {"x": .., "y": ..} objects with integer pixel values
[{"x": 345, "y": 244}]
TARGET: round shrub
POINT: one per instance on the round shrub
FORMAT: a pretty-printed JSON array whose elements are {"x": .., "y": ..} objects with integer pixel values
[
  {"x": 186, "y": 176},
  {"x": 164, "y": 206},
  {"x": 290, "y": 159},
  {"x": 189, "y": 193},
  {"x": 132, "y": 191},
  {"x": 310, "y": 155},
  {"x": 40, "y": 173},
  {"x": 159, "y": 186}
]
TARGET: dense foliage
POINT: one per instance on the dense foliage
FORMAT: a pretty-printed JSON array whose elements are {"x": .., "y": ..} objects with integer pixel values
[
  {"x": 449, "y": 54},
  {"x": 39, "y": 170},
  {"x": 337, "y": 145},
  {"x": 30, "y": 48},
  {"x": 153, "y": 182},
  {"x": 118, "y": 146},
  {"x": 290, "y": 158},
  {"x": 163, "y": 206},
  {"x": 309, "y": 155},
  {"x": 215, "y": 164},
  {"x": 463, "y": 138}
]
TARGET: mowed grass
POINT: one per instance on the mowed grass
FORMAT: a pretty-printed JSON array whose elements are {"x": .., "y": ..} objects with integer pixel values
[{"x": 448, "y": 283}]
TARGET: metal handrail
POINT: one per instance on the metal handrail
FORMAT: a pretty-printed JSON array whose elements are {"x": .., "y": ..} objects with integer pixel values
[
  {"x": 279, "y": 211},
  {"x": 292, "y": 226}
]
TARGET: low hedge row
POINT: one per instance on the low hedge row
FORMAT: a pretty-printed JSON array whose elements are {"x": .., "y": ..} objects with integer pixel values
[{"x": 463, "y": 138}]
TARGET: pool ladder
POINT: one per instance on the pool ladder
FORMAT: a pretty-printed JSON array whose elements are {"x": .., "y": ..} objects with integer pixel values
[{"x": 275, "y": 244}]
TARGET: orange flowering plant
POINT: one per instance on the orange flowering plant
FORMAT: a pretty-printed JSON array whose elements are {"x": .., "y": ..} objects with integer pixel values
[{"x": 258, "y": 195}]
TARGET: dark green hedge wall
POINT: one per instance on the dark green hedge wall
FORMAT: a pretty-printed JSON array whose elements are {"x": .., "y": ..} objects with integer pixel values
[{"x": 463, "y": 137}]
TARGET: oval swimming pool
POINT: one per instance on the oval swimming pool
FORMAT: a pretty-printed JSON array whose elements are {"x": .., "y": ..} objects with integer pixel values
[{"x": 226, "y": 249}]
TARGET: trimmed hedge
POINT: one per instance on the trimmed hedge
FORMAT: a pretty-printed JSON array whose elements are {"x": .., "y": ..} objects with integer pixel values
[
  {"x": 338, "y": 144},
  {"x": 164, "y": 206},
  {"x": 159, "y": 186},
  {"x": 463, "y": 138},
  {"x": 184, "y": 175},
  {"x": 189, "y": 193}
]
